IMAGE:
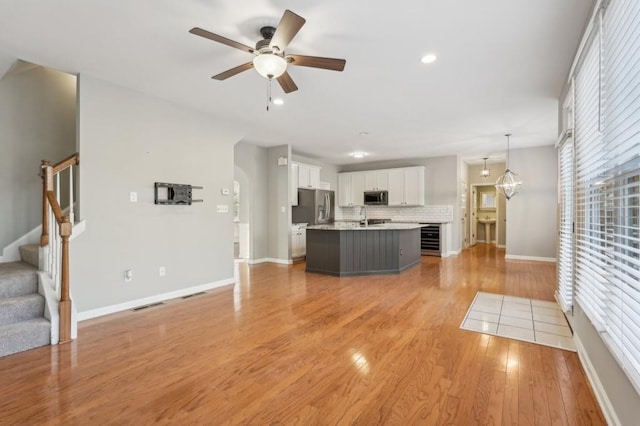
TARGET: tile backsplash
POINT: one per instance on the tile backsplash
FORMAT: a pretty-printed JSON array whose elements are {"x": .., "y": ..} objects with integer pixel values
[{"x": 443, "y": 213}]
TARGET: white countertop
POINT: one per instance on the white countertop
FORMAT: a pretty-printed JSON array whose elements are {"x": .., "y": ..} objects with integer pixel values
[{"x": 354, "y": 226}]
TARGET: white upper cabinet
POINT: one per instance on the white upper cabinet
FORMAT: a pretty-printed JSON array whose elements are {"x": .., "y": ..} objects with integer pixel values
[
  {"x": 406, "y": 186},
  {"x": 376, "y": 180},
  {"x": 351, "y": 189},
  {"x": 308, "y": 176},
  {"x": 396, "y": 187},
  {"x": 414, "y": 186}
]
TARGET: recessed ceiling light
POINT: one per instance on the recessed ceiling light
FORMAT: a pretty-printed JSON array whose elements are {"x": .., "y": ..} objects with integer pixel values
[
  {"x": 429, "y": 59},
  {"x": 364, "y": 133},
  {"x": 358, "y": 154},
  {"x": 278, "y": 101}
]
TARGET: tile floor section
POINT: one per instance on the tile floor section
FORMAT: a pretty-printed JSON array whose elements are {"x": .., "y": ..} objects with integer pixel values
[{"x": 529, "y": 320}]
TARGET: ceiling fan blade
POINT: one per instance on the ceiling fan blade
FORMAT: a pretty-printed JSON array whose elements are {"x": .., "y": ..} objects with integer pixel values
[
  {"x": 215, "y": 37},
  {"x": 289, "y": 25},
  {"x": 286, "y": 82},
  {"x": 233, "y": 71},
  {"x": 317, "y": 62}
]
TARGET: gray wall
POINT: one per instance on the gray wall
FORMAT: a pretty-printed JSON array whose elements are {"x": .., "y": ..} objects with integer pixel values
[
  {"x": 37, "y": 122},
  {"x": 623, "y": 397},
  {"x": 532, "y": 213},
  {"x": 252, "y": 160},
  {"x": 441, "y": 184},
  {"x": 278, "y": 221},
  {"x": 128, "y": 141}
]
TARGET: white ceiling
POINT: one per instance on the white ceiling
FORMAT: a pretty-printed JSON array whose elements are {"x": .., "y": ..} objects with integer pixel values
[{"x": 501, "y": 65}]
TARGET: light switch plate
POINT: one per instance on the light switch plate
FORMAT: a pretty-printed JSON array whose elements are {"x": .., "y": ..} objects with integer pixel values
[
  {"x": 222, "y": 208},
  {"x": 225, "y": 191},
  {"x": 133, "y": 197}
]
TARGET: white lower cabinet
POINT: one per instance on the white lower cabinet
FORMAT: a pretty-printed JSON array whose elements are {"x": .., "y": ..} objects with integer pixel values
[{"x": 298, "y": 236}]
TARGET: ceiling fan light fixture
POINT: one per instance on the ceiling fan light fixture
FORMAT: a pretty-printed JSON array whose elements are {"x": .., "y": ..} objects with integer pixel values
[
  {"x": 270, "y": 65},
  {"x": 358, "y": 154}
]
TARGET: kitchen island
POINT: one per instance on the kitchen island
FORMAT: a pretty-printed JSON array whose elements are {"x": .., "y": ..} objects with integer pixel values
[{"x": 345, "y": 250}]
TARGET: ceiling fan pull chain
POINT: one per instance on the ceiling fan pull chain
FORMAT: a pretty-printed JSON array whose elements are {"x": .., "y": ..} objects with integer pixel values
[{"x": 268, "y": 94}]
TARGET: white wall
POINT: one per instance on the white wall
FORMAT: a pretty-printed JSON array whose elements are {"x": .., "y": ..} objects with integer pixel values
[
  {"x": 37, "y": 122},
  {"x": 128, "y": 141},
  {"x": 532, "y": 213}
]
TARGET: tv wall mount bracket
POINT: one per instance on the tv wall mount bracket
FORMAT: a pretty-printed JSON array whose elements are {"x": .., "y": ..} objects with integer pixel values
[{"x": 176, "y": 194}]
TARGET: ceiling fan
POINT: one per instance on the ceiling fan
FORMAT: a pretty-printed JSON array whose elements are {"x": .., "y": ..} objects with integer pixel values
[{"x": 270, "y": 59}]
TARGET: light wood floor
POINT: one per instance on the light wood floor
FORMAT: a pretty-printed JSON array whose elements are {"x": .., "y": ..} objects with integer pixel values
[{"x": 285, "y": 347}]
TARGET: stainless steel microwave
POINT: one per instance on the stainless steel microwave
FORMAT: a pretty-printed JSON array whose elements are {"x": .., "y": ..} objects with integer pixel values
[{"x": 376, "y": 198}]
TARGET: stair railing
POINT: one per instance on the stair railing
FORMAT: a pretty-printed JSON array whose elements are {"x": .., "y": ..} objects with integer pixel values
[{"x": 56, "y": 230}]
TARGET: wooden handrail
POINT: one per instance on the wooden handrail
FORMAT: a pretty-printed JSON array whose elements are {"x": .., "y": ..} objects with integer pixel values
[
  {"x": 65, "y": 228},
  {"x": 64, "y": 307},
  {"x": 55, "y": 206},
  {"x": 72, "y": 160}
]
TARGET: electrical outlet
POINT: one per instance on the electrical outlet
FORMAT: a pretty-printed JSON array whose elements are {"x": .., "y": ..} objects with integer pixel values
[
  {"x": 128, "y": 276},
  {"x": 161, "y": 271}
]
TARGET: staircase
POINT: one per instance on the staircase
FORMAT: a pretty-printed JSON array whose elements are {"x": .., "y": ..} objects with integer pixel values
[{"x": 22, "y": 322}]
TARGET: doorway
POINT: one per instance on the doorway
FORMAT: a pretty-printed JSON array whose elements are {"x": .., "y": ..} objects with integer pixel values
[
  {"x": 240, "y": 224},
  {"x": 486, "y": 222}
]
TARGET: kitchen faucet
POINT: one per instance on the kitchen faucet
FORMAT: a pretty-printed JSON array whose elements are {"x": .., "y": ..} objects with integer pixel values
[{"x": 364, "y": 209}]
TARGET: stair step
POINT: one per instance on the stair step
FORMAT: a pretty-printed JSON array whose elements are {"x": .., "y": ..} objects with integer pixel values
[
  {"x": 30, "y": 253},
  {"x": 24, "y": 335},
  {"x": 17, "y": 279},
  {"x": 21, "y": 308}
]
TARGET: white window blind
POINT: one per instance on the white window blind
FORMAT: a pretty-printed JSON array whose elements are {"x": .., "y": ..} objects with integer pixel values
[
  {"x": 621, "y": 122},
  {"x": 607, "y": 149},
  {"x": 589, "y": 234},
  {"x": 565, "y": 239}
]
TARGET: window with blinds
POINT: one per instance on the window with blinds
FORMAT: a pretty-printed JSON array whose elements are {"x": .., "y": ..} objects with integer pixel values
[
  {"x": 607, "y": 152},
  {"x": 565, "y": 238}
]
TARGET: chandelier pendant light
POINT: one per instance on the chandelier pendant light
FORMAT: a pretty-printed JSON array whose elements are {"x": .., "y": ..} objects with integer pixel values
[
  {"x": 509, "y": 184},
  {"x": 485, "y": 172}
]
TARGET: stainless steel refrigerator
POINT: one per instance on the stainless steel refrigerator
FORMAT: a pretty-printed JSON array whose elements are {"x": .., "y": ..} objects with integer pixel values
[{"x": 315, "y": 207}]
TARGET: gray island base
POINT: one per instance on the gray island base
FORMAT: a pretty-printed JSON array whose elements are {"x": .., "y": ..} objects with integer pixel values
[{"x": 377, "y": 249}]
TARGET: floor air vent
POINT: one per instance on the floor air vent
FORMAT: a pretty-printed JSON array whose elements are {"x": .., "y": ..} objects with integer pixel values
[
  {"x": 194, "y": 294},
  {"x": 139, "y": 308}
]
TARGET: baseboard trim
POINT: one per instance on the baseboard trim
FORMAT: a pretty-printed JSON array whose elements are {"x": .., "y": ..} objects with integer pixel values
[
  {"x": 451, "y": 253},
  {"x": 112, "y": 309},
  {"x": 270, "y": 260},
  {"x": 534, "y": 258},
  {"x": 605, "y": 404}
]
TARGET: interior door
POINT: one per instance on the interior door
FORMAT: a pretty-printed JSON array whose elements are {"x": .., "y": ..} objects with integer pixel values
[{"x": 474, "y": 219}]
